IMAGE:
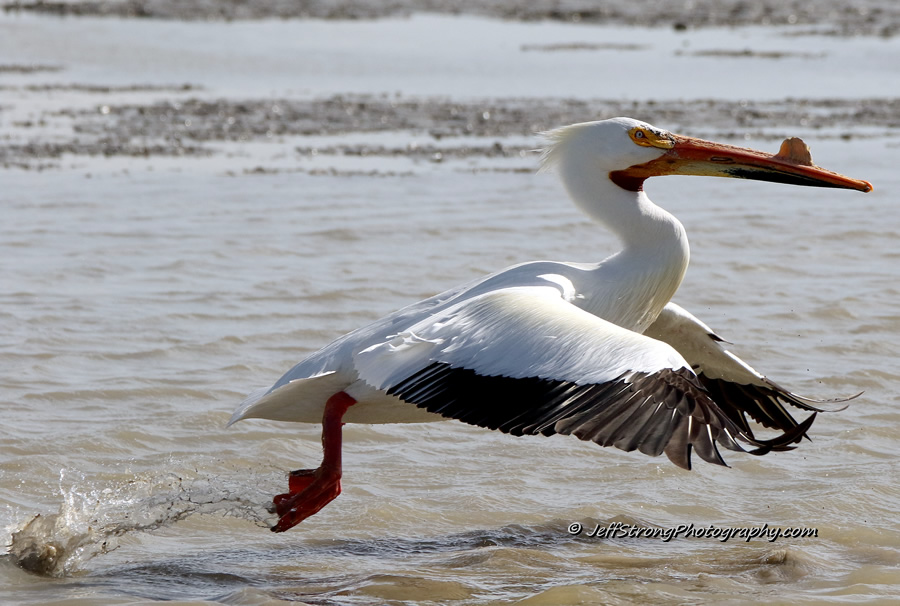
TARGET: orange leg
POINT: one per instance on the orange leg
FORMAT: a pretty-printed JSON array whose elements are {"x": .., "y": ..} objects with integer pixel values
[{"x": 312, "y": 489}]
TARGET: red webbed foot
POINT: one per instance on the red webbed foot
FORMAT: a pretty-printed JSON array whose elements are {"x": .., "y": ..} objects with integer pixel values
[
  {"x": 312, "y": 489},
  {"x": 293, "y": 508},
  {"x": 298, "y": 481}
]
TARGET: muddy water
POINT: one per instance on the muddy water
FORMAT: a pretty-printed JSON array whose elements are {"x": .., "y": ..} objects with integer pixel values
[{"x": 171, "y": 241}]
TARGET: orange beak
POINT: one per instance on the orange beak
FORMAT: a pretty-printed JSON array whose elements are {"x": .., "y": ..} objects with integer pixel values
[{"x": 689, "y": 156}]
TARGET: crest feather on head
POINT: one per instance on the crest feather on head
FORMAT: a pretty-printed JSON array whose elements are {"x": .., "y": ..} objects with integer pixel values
[{"x": 556, "y": 141}]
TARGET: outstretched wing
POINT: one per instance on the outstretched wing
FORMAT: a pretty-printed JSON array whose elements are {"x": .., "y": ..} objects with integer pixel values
[
  {"x": 738, "y": 389},
  {"x": 525, "y": 361}
]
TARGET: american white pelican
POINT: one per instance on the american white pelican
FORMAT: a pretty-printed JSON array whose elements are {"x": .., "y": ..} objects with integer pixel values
[{"x": 594, "y": 350}]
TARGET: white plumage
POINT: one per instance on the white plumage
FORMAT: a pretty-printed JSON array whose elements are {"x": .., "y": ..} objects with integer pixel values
[{"x": 590, "y": 349}]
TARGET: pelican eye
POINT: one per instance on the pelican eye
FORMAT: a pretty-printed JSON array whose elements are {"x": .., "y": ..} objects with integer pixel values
[{"x": 649, "y": 138}]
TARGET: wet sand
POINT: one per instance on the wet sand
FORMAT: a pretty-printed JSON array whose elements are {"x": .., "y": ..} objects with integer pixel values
[
  {"x": 861, "y": 17},
  {"x": 65, "y": 104},
  {"x": 191, "y": 126},
  {"x": 28, "y": 69}
]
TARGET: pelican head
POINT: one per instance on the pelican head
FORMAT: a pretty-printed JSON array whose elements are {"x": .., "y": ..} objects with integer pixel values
[
  {"x": 630, "y": 151},
  {"x": 606, "y": 145}
]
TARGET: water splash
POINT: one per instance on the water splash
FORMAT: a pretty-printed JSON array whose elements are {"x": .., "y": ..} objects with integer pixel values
[{"x": 90, "y": 521}]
